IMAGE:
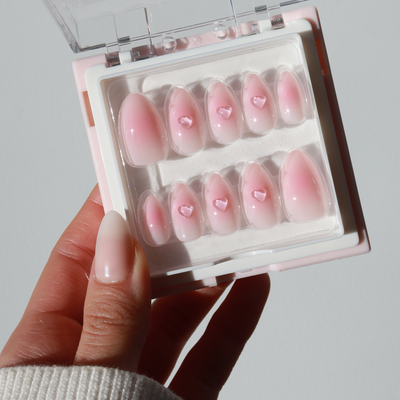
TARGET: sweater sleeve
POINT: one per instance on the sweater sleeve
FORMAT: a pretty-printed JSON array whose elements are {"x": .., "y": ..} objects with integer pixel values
[{"x": 78, "y": 383}]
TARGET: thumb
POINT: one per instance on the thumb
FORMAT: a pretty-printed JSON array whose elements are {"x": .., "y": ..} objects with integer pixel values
[{"x": 118, "y": 300}]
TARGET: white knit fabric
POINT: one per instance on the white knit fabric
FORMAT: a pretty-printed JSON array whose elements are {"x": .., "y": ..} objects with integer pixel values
[{"x": 78, "y": 383}]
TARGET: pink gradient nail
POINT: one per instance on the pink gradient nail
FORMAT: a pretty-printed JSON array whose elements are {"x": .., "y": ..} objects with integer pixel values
[
  {"x": 222, "y": 208},
  {"x": 304, "y": 191},
  {"x": 113, "y": 260},
  {"x": 186, "y": 212},
  {"x": 259, "y": 105},
  {"x": 142, "y": 131},
  {"x": 291, "y": 98},
  {"x": 260, "y": 197},
  {"x": 156, "y": 224},
  {"x": 186, "y": 124},
  {"x": 224, "y": 115}
]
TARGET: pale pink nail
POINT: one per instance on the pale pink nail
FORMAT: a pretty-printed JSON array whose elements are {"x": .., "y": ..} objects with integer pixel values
[
  {"x": 224, "y": 115},
  {"x": 157, "y": 226},
  {"x": 259, "y": 105},
  {"x": 291, "y": 98},
  {"x": 186, "y": 212},
  {"x": 221, "y": 206},
  {"x": 113, "y": 259},
  {"x": 142, "y": 131},
  {"x": 304, "y": 190},
  {"x": 260, "y": 197},
  {"x": 186, "y": 123}
]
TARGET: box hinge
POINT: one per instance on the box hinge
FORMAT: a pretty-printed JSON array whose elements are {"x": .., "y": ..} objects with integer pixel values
[{"x": 276, "y": 18}]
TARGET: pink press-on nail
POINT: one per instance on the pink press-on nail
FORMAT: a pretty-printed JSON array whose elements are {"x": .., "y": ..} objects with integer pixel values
[
  {"x": 291, "y": 98},
  {"x": 260, "y": 197},
  {"x": 224, "y": 115},
  {"x": 186, "y": 124},
  {"x": 142, "y": 131},
  {"x": 156, "y": 229},
  {"x": 304, "y": 191},
  {"x": 113, "y": 260},
  {"x": 222, "y": 208},
  {"x": 186, "y": 212},
  {"x": 259, "y": 105}
]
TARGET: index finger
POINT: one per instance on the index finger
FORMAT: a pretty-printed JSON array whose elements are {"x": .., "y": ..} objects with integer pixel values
[{"x": 50, "y": 328}]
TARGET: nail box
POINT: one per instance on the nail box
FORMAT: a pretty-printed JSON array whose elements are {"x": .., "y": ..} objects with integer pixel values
[{"x": 215, "y": 131}]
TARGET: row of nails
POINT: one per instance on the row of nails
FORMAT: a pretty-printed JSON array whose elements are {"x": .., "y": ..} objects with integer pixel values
[
  {"x": 143, "y": 133},
  {"x": 304, "y": 196}
]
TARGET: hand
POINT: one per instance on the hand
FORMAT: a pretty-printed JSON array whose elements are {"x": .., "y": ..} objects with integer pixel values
[{"x": 79, "y": 315}]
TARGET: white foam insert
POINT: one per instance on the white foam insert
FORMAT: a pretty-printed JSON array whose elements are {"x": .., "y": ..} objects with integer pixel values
[{"x": 195, "y": 72}]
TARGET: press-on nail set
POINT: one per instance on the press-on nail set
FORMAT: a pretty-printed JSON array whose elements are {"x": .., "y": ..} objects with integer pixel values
[{"x": 217, "y": 136}]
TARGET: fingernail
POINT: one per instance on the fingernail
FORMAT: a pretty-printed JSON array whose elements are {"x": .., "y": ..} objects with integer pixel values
[
  {"x": 186, "y": 212},
  {"x": 304, "y": 190},
  {"x": 156, "y": 223},
  {"x": 261, "y": 203},
  {"x": 259, "y": 106},
  {"x": 113, "y": 260},
  {"x": 225, "y": 117},
  {"x": 186, "y": 123},
  {"x": 291, "y": 98},
  {"x": 221, "y": 206},
  {"x": 142, "y": 131}
]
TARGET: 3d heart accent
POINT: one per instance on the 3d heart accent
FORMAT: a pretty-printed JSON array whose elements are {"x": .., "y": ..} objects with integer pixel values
[
  {"x": 258, "y": 101},
  {"x": 186, "y": 121},
  {"x": 186, "y": 211},
  {"x": 221, "y": 204},
  {"x": 225, "y": 112},
  {"x": 260, "y": 195}
]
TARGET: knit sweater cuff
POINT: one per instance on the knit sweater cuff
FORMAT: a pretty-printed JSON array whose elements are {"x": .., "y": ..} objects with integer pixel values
[{"x": 78, "y": 383}]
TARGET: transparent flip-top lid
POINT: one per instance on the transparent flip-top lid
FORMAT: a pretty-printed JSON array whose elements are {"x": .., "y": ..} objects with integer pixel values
[{"x": 92, "y": 24}]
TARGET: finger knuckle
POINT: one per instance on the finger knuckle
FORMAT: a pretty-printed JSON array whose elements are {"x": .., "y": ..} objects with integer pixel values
[{"x": 104, "y": 315}]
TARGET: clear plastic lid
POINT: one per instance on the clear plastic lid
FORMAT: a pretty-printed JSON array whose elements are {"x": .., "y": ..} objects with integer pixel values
[{"x": 115, "y": 24}]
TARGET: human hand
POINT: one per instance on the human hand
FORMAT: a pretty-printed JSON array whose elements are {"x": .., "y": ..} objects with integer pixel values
[{"x": 108, "y": 320}]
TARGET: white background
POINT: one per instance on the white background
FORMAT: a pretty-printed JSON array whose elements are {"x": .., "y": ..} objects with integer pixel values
[{"x": 329, "y": 331}]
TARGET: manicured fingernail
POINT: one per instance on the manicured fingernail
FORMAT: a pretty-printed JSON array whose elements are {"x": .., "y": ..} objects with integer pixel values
[
  {"x": 157, "y": 226},
  {"x": 186, "y": 124},
  {"x": 304, "y": 190},
  {"x": 291, "y": 98},
  {"x": 113, "y": 260},
  {"x": 260, "y": 197},
  {"x": 259, "y": 106},
  {"x": 186, "y": 212},
  {"x": 225, "y": 117},
  {"x": 142, "y": 131},
  {"x": 221, "y": 206}
]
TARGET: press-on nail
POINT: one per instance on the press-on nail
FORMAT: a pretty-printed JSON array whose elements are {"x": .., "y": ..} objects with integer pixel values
[
  {"x": 224, "y": 115},
  {"x": 304, "y": 190},
  {"x": 186, "y": 124},
  {"x": 259, "y": 105},
  {"x": 113, "y": 259},
  {"x": 221, "y": 206},
  {"x": 261, "y": 203},
  {"x": 291, "y": 98},
  {"x": 157, "y": 226},
  {"x": 186, "y": 212},
  {"x": 142, "y": 131}
]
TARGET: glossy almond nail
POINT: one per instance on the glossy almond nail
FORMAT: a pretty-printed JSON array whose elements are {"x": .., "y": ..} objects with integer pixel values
[
  {"x": 259, "y": 105},
  {"x": 187, "y": 126},
  {"x": 260, "y": 197},
  {"x": 304, "y": 191},
  {"x": 186, "y": 212},
  {"x": 157, "y": 226},
  {"x": 222, "y": 208},
  {"x": 142, "y": 131},
  {"x": 113, "y": 259},
  {"x": 291, "y": 98},
  {"x": 224, "y": 114}
]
